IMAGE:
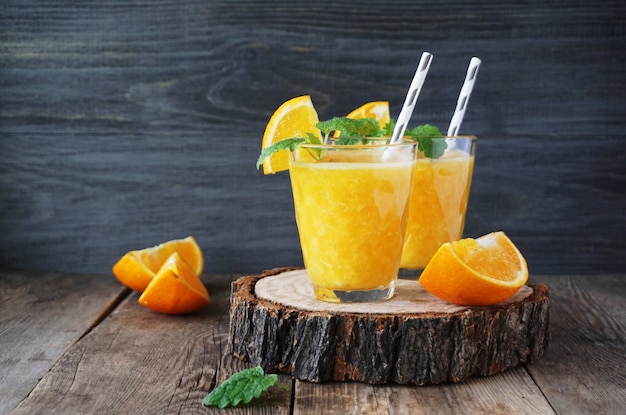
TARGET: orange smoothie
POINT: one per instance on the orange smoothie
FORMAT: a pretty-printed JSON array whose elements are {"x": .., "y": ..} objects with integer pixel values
[
  {"x": 437, "y": 205},
  {"x": 351, "y": 217}
]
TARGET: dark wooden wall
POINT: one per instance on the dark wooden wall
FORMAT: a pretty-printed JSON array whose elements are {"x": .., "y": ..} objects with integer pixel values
[{"x": 127, "y": 123}]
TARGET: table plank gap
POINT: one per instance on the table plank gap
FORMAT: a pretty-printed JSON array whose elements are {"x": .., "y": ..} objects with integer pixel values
[
  {"x": 585, "y": 370},
  {"x": 530, "y": 374},
  {"x": 106, "y": 311}
]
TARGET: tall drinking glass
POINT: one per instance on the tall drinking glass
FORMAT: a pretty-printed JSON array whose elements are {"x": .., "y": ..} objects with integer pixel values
[
  {"x": 351, "y": 210},
  {"x": 438, "y": 202}
]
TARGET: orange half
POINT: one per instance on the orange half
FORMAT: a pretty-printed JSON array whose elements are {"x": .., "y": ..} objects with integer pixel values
[{"x": 476, "y": 272}]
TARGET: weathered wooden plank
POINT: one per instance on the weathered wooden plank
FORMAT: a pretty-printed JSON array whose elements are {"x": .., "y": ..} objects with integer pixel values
[
  {"x": 142, "y": 122},
  {"x": 510, "y": 392},
  {"x": 42, "y": 315},
  {"x": 139, "y": 361},
  {"x": 585, "y": 370}
]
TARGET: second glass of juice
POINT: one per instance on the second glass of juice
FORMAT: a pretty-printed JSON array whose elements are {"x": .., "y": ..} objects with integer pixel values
[
  {"x": 351, "y": 210},
  {"x": 438, "y": 202}
]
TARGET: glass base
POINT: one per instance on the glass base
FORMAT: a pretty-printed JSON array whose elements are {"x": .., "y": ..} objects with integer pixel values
[
  {"x": 354, "y": 296},
  {"x": 410, "y": 274}
]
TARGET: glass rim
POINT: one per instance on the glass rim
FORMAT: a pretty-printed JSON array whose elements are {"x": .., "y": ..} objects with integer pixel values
[
  {"x": 383, "y": 144},
  {"x": 466, "y": 136}
]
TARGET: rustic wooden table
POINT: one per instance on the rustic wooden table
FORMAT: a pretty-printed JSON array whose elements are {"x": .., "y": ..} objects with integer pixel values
[
  {"x": 79, "y": 343},
  {"x": 125, "y": 124}
]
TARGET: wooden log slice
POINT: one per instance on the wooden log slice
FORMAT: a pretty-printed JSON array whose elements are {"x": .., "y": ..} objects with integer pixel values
[{"x": 413, "y": 338}]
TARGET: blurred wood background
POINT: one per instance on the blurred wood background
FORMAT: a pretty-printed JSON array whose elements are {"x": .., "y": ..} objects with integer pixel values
[{"x": 127, "y": 123}]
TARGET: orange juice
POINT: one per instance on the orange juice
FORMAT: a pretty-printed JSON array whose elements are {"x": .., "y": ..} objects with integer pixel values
[
  {"x": 351, "y": 214},
  {"x": 437, "y": 204}
]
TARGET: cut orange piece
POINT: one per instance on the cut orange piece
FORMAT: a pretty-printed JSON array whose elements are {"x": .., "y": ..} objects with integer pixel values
[
  {"x": 379, "y": 110},
  {"x": 476, "y": 272},
  {"x": 175, "y": 289},
  {"x": 294, "y": 118},
  {"x": 137, "y": 268}
]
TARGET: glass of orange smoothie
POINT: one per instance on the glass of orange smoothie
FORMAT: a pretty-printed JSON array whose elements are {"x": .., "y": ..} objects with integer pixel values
[
  {"x": 351, "y": 210},
  {"x": 438, "y": 202}
]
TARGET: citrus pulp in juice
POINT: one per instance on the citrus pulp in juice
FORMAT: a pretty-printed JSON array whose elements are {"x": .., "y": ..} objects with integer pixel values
[
  {"x": 437, "y": 205},
  {"x": 351, "y": 215}
]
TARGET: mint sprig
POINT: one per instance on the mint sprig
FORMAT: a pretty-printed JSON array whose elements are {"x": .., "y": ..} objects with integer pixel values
[
  {"x": 287, "y": 144},
  {"x": 428, "y": 139},
  {"x": 349, "y": 128},
  {"x": 424, "y": 131},
  {"x": 243, "y": 386},
  {"x": 350, "y": 132}
]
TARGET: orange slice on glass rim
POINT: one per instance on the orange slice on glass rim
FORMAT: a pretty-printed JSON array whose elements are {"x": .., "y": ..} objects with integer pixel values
[
  {"x": 294, "y": 118},
  {"x": 379, "y": 110}
]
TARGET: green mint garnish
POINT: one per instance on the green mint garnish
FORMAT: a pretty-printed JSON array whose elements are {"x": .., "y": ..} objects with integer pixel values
[
  {"x": 243, "y": 386},
  {"x": 388, "y": 129},
  {"x": 350, "y": 128},
  {"x": 424, "y": 131},
  {"x": 428, "y": 139},
  {"x": 288, "y": 144},
  {"x": 350, "y": 132}
]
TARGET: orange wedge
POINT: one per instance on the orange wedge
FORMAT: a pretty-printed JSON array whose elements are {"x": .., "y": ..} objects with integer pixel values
[
  {"x": 379, "y": 110},
  {"x": 292, "y": 119},
  {"x": 137, "y": 268},
  {"x": 175, "y": 289},
  {"x": 476, "y": 272}
]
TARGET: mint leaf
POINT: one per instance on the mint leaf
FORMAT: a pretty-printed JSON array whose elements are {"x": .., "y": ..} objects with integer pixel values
[
  {"x": 241, "y": 387},
  {"x": 348, "y": 127},
  {"x": 387, "y": 130},
  {"x": 313, "y": 139},
  {"x": 428, "y": 139},
  {"x": 288, "y": 144},
  {"x": 349, "y": 141},
  {"x": 432, "y": 147},
  {"x": 424, "y": 131}
]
